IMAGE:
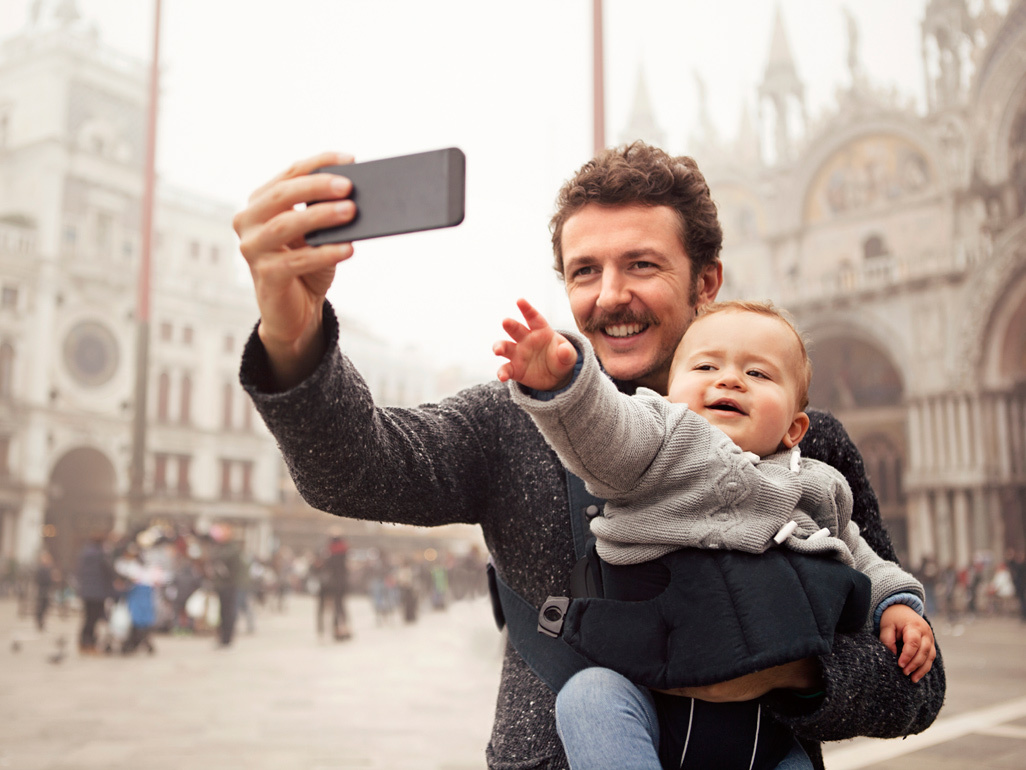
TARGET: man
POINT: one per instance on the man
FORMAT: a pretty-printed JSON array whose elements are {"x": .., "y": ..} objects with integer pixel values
[
  {"x": 637, "y": 241},
  {"x": 95, "y": 577},
  {"x": 333, "y": 572}
]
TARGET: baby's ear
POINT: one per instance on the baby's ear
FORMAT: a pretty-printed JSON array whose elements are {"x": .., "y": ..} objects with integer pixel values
[{"x": 797, "y": 430}]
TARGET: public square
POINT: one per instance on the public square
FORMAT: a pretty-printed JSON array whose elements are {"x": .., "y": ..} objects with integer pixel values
[{"x": 395, "y": 696}]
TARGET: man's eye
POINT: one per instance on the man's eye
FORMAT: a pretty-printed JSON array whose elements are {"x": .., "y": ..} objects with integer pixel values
[
  {"x": 583, "y": 272},
  {"x": 641, "y": 265}
]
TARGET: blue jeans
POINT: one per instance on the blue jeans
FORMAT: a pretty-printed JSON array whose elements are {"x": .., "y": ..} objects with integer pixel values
[{"x": 607, "y": 723}]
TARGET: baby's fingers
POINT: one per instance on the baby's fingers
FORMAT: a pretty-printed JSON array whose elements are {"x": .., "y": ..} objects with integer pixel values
[
  {"x": 535, "y": 320},
  {"x": 566, "y": 353},
  {"x": 505, "y": 372},
  {"x": 516, "y": 330},
  {"x": 888, "y": 635},
  {"x": 921, "y": 662},
  {"x": 910, "y": 648}
]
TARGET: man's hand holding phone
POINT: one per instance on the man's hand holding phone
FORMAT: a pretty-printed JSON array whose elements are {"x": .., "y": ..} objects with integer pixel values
[
  {"x": 290, "y": 276},
  {"x": 292, "y": 250}
]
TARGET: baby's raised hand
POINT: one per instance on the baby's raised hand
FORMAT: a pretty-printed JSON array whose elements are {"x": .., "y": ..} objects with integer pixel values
[
  {"x": 918, "y": 650},
  {"x": 539, "y": 357}
]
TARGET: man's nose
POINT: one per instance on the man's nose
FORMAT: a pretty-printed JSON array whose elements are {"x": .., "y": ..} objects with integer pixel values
[{"x": 614, "y": 291}]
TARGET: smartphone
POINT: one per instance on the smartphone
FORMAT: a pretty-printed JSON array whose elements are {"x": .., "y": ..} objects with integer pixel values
[{"x": 405, "y": 194}]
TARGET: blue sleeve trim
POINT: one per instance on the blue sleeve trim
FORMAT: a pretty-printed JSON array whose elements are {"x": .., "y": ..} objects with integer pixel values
[
  {"x": 910, "y": 600},
  {"x": 548, "y": 395}
]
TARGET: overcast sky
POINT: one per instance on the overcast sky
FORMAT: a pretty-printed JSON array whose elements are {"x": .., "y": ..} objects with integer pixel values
[{"x": 247, "y": 88}]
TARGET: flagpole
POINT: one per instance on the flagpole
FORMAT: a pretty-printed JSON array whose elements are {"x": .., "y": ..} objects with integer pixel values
[
  {"x": 598, "y": 78},
  {"x": 137, "y": 494}
]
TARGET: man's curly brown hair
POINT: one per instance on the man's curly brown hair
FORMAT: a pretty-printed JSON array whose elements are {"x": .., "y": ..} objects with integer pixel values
[{"x": 638, "y": 173}]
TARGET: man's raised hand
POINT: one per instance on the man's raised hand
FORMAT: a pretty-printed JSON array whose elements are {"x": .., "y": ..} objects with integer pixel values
[
  {"x": 290, "y": 277},
  {"x": 539, "y": 357}
]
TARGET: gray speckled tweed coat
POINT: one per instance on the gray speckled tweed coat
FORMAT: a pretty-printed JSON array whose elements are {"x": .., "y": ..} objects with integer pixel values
[{"x": 477, "y": 458}]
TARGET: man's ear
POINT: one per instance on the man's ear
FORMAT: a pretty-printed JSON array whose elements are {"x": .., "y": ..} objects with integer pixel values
[
  {"x": 797, "y": 430},
  {"x": 709, "y": 283}
]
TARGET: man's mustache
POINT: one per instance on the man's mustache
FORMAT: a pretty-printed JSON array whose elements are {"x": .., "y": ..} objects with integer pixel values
[{"x": 599, "y": 323}]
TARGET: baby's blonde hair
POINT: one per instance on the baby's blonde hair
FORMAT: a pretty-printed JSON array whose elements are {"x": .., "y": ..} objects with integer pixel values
[{"x": 765, "y": 309}]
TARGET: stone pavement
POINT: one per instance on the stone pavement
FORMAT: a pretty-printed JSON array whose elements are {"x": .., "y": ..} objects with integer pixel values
[{"x": 396, "y": 696}]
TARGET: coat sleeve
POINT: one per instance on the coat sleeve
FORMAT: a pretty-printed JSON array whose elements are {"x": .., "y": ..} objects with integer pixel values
[
  {"x": 425, "y": 466},
  {"x": 865, "y": 692}
]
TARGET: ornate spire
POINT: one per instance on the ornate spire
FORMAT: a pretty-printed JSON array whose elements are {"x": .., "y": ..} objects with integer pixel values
[
  {"x": 854, "y": 65},
  {"x": 704, "y": 139},
  {"x": 947, "y": 26},
  {"x": 748, "y": 150},
  {"x": 67, "y": 12},
  {"x": 783, "y": 89},
  {"x": 642, "y": 124}
]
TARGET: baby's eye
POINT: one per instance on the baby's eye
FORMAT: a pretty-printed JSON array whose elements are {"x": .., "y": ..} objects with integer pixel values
[
  {"x": 704, "y": 368},
  {"x": 756, "y": 373}
]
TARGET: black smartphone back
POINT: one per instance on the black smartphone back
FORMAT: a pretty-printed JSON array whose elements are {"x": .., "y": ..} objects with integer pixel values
[{"x": 405, "y": 194}]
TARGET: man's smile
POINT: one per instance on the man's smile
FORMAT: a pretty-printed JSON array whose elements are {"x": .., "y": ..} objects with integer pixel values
[{"x": 624, "y": 330}]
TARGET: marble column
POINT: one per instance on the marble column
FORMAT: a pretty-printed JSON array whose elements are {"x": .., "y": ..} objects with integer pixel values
[
  {"x": 943, "y": 530},
  {"x": 964, "y": 546}
]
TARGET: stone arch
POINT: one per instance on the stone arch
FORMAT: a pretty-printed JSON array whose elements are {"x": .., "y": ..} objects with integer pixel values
[
  {"x": 995, "y": 335},
  {"x": 856, "y": 377},
  {"x": 867, "y": 173},
  {"x": 844, "y": 135},
  {"x": 81, "y": 500},
  {"x": 999, "y": 97},
  {"x": 853, "y": 372}
]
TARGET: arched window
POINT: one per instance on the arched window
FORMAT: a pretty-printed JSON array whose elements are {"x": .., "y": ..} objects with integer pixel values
[
  {"x": 6, "y": 370},
  {"x": 185, "y": 415},
  {"x": 163, "y": 396},
  {"x": 229, "y": 393},
  {"x": 874, "y": 246}
]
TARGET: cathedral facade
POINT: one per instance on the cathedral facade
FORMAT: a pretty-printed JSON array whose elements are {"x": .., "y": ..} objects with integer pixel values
[{"x": 897, "y": 239}]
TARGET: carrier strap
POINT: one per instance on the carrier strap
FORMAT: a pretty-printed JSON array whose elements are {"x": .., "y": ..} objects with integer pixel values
[{"x": 551, "y": 659}]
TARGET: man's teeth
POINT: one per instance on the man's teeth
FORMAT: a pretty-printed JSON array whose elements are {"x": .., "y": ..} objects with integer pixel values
[{"x": 624, "y": 330}]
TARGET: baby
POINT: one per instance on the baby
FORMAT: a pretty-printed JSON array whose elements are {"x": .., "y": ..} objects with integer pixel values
[{"x": 713, "y": 466}]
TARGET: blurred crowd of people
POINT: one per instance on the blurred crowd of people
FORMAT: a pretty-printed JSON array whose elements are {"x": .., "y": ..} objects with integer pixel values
[
  {"x": 177, "y": 581},
  {"x": 984, "y": 588}
]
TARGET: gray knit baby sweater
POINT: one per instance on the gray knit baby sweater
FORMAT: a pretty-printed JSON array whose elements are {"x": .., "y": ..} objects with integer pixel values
[{"x": 672, "y": 480}]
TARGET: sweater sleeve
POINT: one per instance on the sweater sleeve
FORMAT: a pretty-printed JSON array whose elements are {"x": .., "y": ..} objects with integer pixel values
[
  {"x": 605, "y": 437},
  {"x": 865, "y": 692},
  {"x": 425, "y": 466},
  {"x": 886, "y": 577}
]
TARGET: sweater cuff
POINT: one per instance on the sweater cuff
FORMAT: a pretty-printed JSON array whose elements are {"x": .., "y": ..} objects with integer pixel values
[
  {"x": 549, "y": 395},
  {"x": 255, "y": 370},
  {"x": 910, "y": 600}
]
